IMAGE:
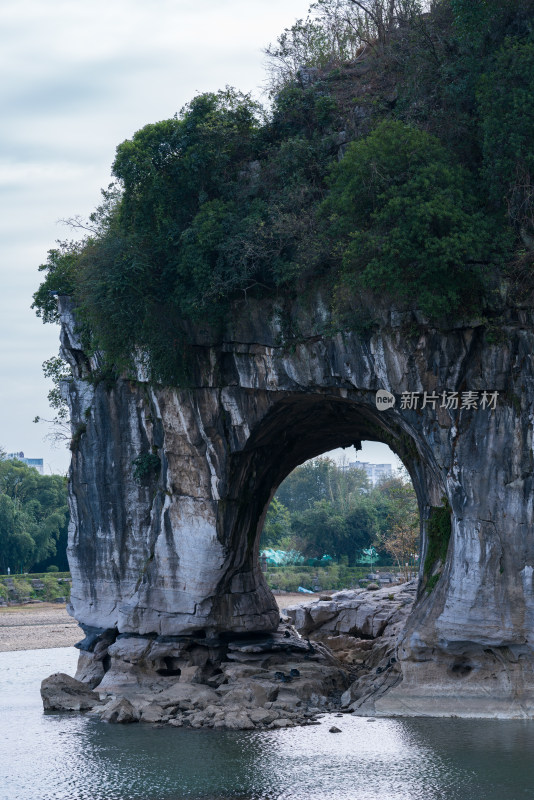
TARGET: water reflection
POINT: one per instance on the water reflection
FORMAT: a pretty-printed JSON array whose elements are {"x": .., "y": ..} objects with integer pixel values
[{"x": 71, "y": 757}]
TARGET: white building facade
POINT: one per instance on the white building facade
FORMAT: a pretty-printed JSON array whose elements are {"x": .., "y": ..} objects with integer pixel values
[
  {"x": 375, "y": 472},
  {"x": 36, "y": 463}
]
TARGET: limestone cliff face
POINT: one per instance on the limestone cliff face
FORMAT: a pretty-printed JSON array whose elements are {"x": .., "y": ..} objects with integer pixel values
[{"x": 175, "y": 552}]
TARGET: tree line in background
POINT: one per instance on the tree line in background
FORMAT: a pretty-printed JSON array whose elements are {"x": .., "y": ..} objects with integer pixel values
[
  {"x": 33, "y": 519},
  {"x": 432, "y": 203},
  {"x": 320, "y": 509},
  {"x": 324, "y": 509}
]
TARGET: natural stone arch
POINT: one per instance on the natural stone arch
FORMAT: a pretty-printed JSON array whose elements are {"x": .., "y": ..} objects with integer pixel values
[
  {"x": 298, "y": 427},
  {"x": 163, "y": 557}
]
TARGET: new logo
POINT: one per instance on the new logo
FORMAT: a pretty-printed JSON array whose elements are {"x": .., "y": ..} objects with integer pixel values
[{"x": 384, "y": 400}]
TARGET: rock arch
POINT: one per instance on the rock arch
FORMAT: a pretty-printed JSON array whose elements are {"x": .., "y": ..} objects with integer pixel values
[
  {"x": 294, "y": 428},
  {"x": 174, "y": 554}
]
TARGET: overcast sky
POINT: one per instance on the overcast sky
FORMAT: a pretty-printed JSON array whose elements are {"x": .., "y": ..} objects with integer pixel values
[{"x": 77, "y": 79}]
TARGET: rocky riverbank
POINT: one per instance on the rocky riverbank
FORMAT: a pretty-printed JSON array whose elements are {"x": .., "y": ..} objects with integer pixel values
[
  {"x": 334, "y": 653},
  {"x": 361, "y": 629}
]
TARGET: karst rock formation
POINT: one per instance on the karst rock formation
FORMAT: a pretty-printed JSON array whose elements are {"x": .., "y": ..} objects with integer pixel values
[{"x": 171, "y": 551}]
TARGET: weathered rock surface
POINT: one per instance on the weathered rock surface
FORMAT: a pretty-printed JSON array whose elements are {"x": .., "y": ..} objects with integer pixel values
[
  {"x": 286, "y": 682},
  {"x": 363, "y": 629},
  {"x": 265, "y": 680},
  {"x": 175, "y": 554},
  {"x": 60, "y": 692},
  {"x": 119, "y": 710}
]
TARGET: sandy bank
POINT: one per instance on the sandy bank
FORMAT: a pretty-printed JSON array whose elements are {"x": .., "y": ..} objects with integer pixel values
[{"x": 37, "y": 627}]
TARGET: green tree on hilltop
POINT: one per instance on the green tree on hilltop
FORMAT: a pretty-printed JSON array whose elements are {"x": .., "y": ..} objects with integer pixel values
[
  {"x": 397, "y": 170},
  {"x": 405, "y": 220}
]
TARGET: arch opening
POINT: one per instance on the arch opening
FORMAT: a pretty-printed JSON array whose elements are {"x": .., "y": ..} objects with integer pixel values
[
  {"x": 341, "y": 522},
  {"x": 293, "y": 431}
]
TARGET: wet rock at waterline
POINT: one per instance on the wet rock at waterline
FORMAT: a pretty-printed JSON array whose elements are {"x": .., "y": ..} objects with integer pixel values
[
  {"x": 274, "y": 681},
  {"x": 60, "y": 692},
  {"x": 341, "y": 657}
]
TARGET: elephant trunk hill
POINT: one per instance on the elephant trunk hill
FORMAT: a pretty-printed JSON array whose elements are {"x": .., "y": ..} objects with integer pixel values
[{"x": 169, "y": 488}]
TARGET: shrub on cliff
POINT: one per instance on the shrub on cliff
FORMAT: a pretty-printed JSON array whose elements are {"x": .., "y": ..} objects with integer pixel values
[
  {"x": 506, "y": 103},
  {"x": 193, "y": 223},
  {"x": 406, "y": 220}
]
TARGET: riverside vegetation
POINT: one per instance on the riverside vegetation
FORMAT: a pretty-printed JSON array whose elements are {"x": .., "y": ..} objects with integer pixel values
[
  {"x": 395, "y": 161},
  {"x": 322, "y": 509},
  {"x": 44, "y": 587},
  {"x": 33, "y": 519}
]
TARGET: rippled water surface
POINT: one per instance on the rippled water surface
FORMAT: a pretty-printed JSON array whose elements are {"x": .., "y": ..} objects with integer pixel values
[{"x": 71, "y": 757}]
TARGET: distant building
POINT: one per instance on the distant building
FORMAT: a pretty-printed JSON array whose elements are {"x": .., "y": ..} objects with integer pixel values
[
  {"x": 375, "y": 472},
  {"x": 36, "y": 463}
]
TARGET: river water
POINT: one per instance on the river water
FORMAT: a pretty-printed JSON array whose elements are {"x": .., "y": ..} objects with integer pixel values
[{"x": 72, "y": 757}]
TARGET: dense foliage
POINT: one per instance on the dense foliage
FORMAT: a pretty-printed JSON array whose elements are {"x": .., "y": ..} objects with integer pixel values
[
  {"x": 406, "y": 217},
  {"x": 322, "y": 509},
  {"x": 395, "y": 163},
  {"x": 33, "y": 518}
]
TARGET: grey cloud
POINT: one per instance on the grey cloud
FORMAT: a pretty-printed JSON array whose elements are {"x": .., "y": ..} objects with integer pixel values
[{"x": 86, "y": 84}]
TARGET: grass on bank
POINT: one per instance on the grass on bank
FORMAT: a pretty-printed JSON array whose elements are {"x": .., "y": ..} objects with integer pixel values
[
  {"x": 20, "y": 589},
  {"x": 318, "y": 579}
]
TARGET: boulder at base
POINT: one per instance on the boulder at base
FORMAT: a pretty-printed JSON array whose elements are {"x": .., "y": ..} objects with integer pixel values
[{"x": 60, "y": 692}]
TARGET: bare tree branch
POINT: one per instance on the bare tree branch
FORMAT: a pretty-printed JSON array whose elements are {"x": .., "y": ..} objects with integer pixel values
[
  {"x": 366, "y": 10},
  {"x": 78, "y": 223}
]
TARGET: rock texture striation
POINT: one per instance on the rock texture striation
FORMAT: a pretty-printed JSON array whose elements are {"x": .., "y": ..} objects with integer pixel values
[{"x": 173, "y": 553}]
